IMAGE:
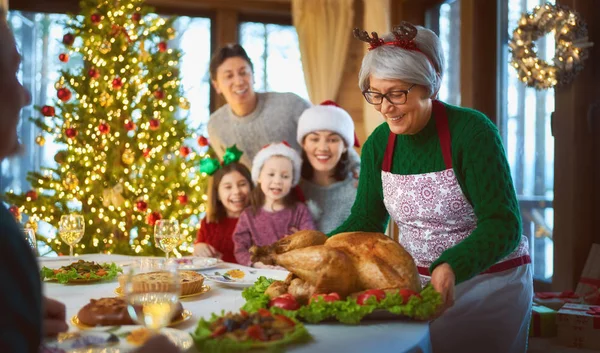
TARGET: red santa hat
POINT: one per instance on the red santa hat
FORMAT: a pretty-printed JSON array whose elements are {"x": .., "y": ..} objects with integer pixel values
[
  {"x": 327, "y": 116},
  {"x": 277, "y": 149}
]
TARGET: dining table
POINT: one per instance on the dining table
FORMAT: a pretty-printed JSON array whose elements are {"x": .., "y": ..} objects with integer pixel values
[{"x": 390, "y": 335}]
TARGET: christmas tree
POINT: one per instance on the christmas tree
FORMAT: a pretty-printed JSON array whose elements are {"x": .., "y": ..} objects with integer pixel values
[{"x": 125, "y": 163}]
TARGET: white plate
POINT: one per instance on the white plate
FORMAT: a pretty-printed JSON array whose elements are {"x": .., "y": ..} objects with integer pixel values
[
  {"x": 194, "y": 263},
  {"x": 250, "y": 276},
  {"x": 114, "y": 341}
]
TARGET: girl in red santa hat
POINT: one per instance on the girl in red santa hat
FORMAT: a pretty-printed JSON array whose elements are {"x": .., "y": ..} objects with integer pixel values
[{"x": 274, "y": 211}]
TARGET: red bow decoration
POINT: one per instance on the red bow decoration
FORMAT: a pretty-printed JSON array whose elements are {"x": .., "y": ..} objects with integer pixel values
[{"x": 568, "y": 294}]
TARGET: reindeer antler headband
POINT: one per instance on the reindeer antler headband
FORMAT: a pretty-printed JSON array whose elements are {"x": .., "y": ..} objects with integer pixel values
[{"x": 404, "y": 35}]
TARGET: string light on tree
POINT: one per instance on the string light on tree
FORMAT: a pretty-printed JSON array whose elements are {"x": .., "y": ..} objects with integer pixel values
[{"x": 572, "y": 46}]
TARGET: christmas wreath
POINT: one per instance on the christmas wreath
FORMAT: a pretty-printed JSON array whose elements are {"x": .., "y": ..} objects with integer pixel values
[{"x": 570, "y": 35}]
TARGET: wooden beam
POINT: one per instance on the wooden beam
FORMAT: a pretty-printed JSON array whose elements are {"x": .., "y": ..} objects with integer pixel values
[
  {"x": 576, "y": 127},
  {"x": 478, "y": 56}
]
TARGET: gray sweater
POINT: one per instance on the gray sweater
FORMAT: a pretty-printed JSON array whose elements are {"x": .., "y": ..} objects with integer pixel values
[
  {"x": 329, "y": 205},
  {"x": 274, "y": 119}
]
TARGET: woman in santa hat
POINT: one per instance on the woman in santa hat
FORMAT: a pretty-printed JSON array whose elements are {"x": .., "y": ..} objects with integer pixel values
[{"x": 326, "y": 134}]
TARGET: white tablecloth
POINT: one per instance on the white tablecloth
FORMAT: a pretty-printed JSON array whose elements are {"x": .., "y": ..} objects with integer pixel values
[{"x": 372, "y": 336}]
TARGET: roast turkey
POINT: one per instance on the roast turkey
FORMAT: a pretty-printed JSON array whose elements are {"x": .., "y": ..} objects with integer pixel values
[{"x": 345, "y": 263}]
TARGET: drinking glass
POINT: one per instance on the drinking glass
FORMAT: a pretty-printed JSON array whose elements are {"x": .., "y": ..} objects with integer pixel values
[
  {"x": 152, "y": 304},
  {"x": 166, "y": 235},
  {"x": 71, "y": 228},
  {"x": 31, "y": 239}
]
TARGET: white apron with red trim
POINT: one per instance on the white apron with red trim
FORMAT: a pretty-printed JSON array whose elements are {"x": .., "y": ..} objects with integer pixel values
[{"x": 492, "y": 310}]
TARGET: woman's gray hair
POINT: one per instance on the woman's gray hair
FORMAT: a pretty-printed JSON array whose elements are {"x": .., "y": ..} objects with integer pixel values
[{"x": 391, "y": 62}]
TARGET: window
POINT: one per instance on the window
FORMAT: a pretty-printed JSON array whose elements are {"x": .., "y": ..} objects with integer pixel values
[
  {"x": 525, "y": 125},
  {"x": 275, "y": 55},
  {"x": 445, "y": 21}
]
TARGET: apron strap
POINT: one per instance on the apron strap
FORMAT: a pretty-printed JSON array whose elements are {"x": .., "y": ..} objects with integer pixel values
[
  {"x": 386, "y": 166},
  {"x": 499, "y": 267},
  {"x": 441, "y": 124}
]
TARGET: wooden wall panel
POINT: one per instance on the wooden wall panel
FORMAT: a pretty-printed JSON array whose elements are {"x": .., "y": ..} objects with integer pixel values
[{"x": 576, "y": 127}]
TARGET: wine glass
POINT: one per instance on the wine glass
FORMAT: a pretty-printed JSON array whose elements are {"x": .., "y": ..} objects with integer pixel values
[
  {"x": 152, "y": 303},
  {"x": 166, "y": 235},
  {"x": 71, "y": 228},
  {"x": 31, "y": 239}
]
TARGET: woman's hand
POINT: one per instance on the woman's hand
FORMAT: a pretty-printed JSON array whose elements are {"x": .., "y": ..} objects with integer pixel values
[
  {"x": 55, "y": 315},
  {"x": 205, "y": 250},
  {"x": 442, "y": 280}
]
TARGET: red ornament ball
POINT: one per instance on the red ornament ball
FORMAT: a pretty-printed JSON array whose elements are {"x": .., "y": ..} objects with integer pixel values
[
  {"x": 184, "y": 151},
  {"x": 141, "y": 205},
  {"x": 154, "y": 124},
  {"x": 14, "y": 210},
  {"x": 159, "y": 94},
  {"x": 117, "y": 83},
  {"x": 183, "y": 199},
  {"x": 95, "y": 17},
  {"x": 162, "y": 47},
  {"x": 136, "y": 17},
  {"x": 71, "y": 132},
  {"x": 152, "y": 218},
  {"x": 129, "y": 125},
  {"x": 104, "y": 128},
  {"x": 68, "y": 39},
  {"x": 146, "y": 152},
  {"x": 202, "y": 141},
  {"x": 93, "y": 73},
  {"x": 63, "y": 57},
  {"x": 32, "y": 195},
  {"x": 63, "y": 94},
  {"x": 48, "y": 110}
]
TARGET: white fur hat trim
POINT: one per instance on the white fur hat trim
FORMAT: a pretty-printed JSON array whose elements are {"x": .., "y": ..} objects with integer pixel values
[
  {"x": 276, "y": 149},
  {"x": 326, "y": 117}
]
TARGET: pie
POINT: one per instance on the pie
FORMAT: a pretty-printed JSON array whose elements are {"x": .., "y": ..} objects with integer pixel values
[
  {"x": 111, "y": 312},
  {"x": 190, "y": 282}
]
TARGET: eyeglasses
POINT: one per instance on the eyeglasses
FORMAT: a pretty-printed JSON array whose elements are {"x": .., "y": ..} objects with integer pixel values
[{"x": 396, "y": 97}]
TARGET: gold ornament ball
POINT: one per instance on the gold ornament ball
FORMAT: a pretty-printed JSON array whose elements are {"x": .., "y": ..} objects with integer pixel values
[
  {"x": 170, "y": 33},
  {"x": 128, "y": 157},
  {"x": 40, "y": 140},
  {"x": 70, "y": 181},
  {"x": 105, "y": 99},
  {"x": 60, "y": 157},
  {"x": 184, "y": 104}
]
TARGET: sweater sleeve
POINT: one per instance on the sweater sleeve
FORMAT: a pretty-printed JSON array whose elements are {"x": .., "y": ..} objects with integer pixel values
[
  {"x": 488, "y": 183},
  {"x": 305, "y": 220},
  {"x": 242, "y": 239},
  {"x": 201, "y": 236},
  {"x": 368, "y": 213}
]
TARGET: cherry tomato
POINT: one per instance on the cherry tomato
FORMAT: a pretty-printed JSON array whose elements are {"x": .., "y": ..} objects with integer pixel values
[
  {"x": 244, "y": 313},
  {"x": 328, "y": 298},
  {"x": 264, "y": 312},
  {"x": 285, "y": 303},
  {"x": 256, "y": 332},
  {"x": 377, "y": 293},
  {"x": 407, "y": 293}
]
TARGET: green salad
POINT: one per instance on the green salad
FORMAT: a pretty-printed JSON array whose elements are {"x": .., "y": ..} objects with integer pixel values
[
  {"x": 420, "y": 306},
  {"x": 235, "y": 332},
  {"x": 81, "y": 271}
]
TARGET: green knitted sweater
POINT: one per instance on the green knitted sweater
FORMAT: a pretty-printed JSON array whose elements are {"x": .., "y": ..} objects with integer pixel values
[{"x": 480, "y": 165}]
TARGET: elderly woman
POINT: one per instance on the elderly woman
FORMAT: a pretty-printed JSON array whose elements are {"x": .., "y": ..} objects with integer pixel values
[
  {"x": 440, "y": 172},
  {"x": 251, "y": 120},
  {"x": 326, "y": 134}
]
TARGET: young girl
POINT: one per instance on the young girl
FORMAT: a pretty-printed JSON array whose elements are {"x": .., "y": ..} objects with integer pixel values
[
  {"x": 274, "y": 212},
  {"x": 326, "y": 134},
  {"x": 228, "y": 195}
]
